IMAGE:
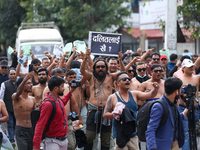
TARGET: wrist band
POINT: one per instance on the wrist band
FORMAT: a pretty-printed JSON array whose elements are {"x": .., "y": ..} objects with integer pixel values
[{"x": 50, "y": 57}]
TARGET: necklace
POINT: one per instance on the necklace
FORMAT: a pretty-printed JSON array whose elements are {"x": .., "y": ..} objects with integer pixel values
[{"x": 122, "y": 97}]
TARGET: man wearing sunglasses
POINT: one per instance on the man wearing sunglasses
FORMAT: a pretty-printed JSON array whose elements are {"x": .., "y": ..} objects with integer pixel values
[
  {"x": 3, "y": 71},
  {"x": 155, "y": 58},
  {"x": 141, "y": 72},
  {"x": 130, "y": 100},
  {"x": 101, "y": 86},
  {"x": 156, "y": 72}
]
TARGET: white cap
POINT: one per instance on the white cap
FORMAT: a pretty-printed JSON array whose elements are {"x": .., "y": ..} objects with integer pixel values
[{"x": 187, "y": 63}]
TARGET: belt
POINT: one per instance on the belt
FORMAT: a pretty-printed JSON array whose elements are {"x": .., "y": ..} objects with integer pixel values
[{"x": 59, "y": 138}]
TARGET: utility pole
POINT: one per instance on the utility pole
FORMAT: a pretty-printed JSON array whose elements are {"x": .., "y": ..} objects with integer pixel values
[{"x": 171, "y": 26}]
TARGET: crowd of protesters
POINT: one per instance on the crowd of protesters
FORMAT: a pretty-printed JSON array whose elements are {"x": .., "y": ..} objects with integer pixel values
[{"x": 89, "y": 95}]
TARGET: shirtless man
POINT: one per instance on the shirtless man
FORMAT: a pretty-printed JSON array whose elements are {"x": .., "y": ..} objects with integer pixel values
[
  {"x": 37, "y": 90},
  {"x": 188, "y": 78},
  {"x": 23, "y": 104},
  {"x": 101, "y": 85},
  {"x": 5, "y": 117},
  {"x": 156, "y": 71}
]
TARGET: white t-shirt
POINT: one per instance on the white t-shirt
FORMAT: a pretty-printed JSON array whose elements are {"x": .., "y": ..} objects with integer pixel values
[{"x": 24, "y": 69}]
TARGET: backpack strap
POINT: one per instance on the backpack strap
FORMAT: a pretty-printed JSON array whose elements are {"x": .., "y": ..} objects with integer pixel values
[
  {"x": 165, "y": 112},
  {"x": 52, "y": 114}
]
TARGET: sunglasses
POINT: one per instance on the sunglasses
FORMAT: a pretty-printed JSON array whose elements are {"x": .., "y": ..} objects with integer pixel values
[
  {"x": 124, "y": 79},
  {"x": 4, "y": 67},
  {"x": 140, "y": 69},
  {"x": 156, "y": 59},
  {"x": 98, "y": 67},
  {"x": 129, "y": 71},
  {"x": 156, "y": 71}
]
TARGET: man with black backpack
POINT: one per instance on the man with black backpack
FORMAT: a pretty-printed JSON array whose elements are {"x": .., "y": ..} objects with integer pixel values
[
  {"x": 169, "y": 136},
  {"x": 56, "y": 136}
]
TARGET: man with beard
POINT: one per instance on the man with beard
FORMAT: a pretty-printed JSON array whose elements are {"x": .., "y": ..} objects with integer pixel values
[
  {"x": 56, "y": 136},
  {"x": 23, "y": 104},
  {"x": 36, "y": 65},
  {"x": 169, "y": 136},
  {"x": 156, "y": 71},
  {"x": 37, "y": 90},
  {"x": 101, "y": 85},
  {"x": 7, "y": 89},
  {"x": 130, "y": 100}
]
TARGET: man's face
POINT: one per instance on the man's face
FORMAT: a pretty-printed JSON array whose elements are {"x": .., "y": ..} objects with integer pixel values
[
  {"x": 124, "y": 81},
  {"x": 42, "y": 77},
  {"x": 141, "y": 70},
  {"x": 71, "y": 77},
  {"x": 28, "y": 86},
  {"x": 100, "y": 70},
  {"x": 157, "y": 73},
  {"x": 164, "y": 62},
  {"x": 131, "y": 73},
  {"x": 12, "y": 75},
  {"x": 45, "y": 63},
  {"x": 61, "y": 90},
  {"x": 4, "y": 69},
  {"x": 155, "y": 59},
  {"x": 148, "y": 60},
  {"x": 113, "y": 66},
  {"x": 36, "y": 67},
  {"x": 188, "y": 70},
  {"x": 163, "y": 73}
]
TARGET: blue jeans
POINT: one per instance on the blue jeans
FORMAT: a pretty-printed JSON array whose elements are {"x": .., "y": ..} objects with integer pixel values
[
  {"x": 11, "y": 126},
  {"x": 186, "y": 145}
]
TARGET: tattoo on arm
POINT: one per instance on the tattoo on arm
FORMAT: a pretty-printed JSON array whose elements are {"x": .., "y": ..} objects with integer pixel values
[
  {"x": 108, "y": 104},
  {"x": 152, "y": 92}
]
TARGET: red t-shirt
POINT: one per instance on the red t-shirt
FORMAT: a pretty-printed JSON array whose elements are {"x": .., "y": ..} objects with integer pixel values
[{"x": 56, "y": 128}]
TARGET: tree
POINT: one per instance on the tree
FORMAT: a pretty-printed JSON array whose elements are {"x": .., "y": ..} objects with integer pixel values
[
  {"x": 77, "y": 18},
  {"x": 190, "y": 10},
  {"x": 11, "y": 14}
]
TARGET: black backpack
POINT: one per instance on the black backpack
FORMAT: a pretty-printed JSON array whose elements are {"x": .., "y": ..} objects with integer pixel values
[
  {"x": 35, "y": 115},
  {"x": 143, "y": 117}
]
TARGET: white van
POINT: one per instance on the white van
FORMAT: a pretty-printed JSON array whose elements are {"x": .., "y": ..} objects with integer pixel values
[{"x": 41, "y": 36}]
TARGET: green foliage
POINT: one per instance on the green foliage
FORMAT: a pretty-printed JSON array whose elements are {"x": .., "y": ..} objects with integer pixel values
[
  {"x": 76, "y": 18},
  {"x": 191, "y": 16},
  {"x": 11, "y": 14}
]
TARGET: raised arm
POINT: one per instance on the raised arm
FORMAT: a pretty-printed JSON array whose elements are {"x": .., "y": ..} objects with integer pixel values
[
  {"x": 47, "y": 53},
  {"x": 121, "y": 64},
  {"x": 135, "y": 59},
  {"x": 50, "y": 68},
  {"x": 108, "y": 108},
  {"x": 20, "y": 88},
  {"x": 4, "y": 112},
  {"x": 18, "y": 73},
  {"x": 83, "y": 68},
  {"x": 149, "y": 51},
  {"x": 71, "y": 57}
]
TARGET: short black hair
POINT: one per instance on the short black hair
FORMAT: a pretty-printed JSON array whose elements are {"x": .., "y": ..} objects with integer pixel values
[
  {"x": 184, "y": 57},
  {"x": 135, "y": 54},
  {"x": 56, "y": 70},
  {"x": 96, "y": 61},
  {"x": 140, "y": 63},
  {"x": 148, "y": 56},
  {"x": 42, "y": 69},
  {"x": 155, "y": 66},
  {"x": 19, "y": 81},
  {"x": 155, "y": 53},
  {"x": 120, "y": 73},
  {"x": 173, "y": 57},
  {"x": 70, "y": 72},
  {"x": 45, "y": 58},
  {"x": 35, "y": 61},
  {"x": 195, "y": 55},
  {"x": 12, "y": 68},
  {"x": 112, "y": 58},
  {"x": 55, "y": 81},
  {"x": 186, "y": 51},
  {"x": 172, "y": 84}
]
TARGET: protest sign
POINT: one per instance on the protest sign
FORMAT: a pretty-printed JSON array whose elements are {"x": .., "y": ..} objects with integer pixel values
[
  {"x": 23, "y": 59},
  {"x": 102, "y": 43},
  {"x": 10, "y": 50},
  {"x": 165, "y": 52},
  {"x": 27, "y": 49},
  {"x": 57, "y": 51},
  {"x": 80, "y": 46},
  {"x": 68, "y": 48}
]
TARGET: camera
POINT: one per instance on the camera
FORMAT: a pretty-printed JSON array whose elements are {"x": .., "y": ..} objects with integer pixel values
[
  {"x": 188, "y": 90},
  {"x": 75, "y": 83}
]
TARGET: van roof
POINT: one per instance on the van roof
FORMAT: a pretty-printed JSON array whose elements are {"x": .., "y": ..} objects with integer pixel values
[{"x": 39, "y": 34}]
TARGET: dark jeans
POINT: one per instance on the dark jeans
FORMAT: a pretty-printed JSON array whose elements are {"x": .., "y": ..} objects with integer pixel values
[{"x": 11, "y": 126}]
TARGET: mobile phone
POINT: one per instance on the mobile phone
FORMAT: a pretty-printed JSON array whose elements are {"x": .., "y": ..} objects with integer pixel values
[{"x": 30, "y": 68}]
